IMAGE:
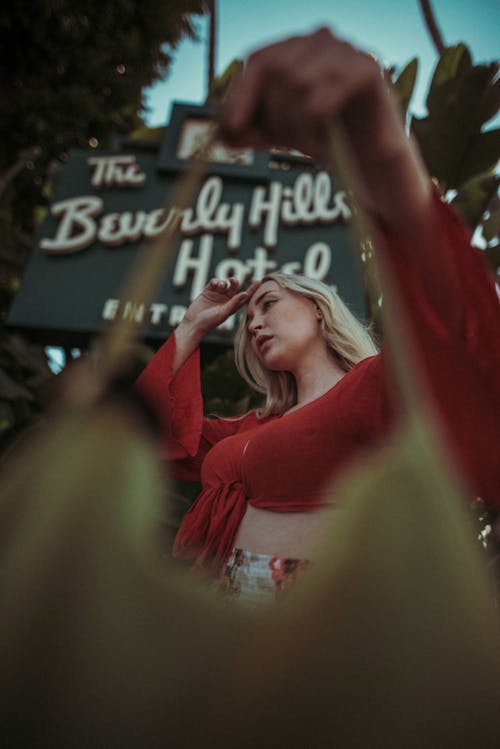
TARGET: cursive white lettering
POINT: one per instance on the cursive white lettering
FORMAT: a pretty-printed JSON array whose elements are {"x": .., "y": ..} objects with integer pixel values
[
  {"x": 77, "y": 228},
  {"x": 210, "y": 215},
  {"x": 122, "y": 171},
  {"x": 117, "y": 228},
  {"x": 198, "y": 266},
  {"x": 268, "y": 209},
  {"x": 317, "y": 261}
]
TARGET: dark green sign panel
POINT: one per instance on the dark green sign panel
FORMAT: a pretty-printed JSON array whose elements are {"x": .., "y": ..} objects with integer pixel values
[{"x": 254, "y": 213}]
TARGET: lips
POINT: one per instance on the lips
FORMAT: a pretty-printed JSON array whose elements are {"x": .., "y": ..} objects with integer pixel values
[{"x": 262, "y": 340}]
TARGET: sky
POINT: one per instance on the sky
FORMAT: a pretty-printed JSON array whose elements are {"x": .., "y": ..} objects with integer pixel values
[{"x": 393, "y": 30}]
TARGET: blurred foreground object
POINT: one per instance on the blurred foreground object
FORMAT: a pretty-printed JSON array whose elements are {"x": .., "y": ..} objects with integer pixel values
[{"x": 392, "y": 640}]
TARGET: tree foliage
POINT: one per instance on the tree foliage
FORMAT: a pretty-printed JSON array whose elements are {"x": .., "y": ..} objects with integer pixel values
[
  {"x": 460, "y": 151},
  {"x": 72, "y": 76}
]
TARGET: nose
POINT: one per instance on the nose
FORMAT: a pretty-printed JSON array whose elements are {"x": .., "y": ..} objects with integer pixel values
[{"x": 254, "y": 325}]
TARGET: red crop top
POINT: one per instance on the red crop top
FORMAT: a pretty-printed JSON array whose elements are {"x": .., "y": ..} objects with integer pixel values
[{"x": 286, "y": 463}]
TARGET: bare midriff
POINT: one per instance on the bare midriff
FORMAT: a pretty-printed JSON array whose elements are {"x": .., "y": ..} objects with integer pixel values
[{"x": 295, "y": 535}]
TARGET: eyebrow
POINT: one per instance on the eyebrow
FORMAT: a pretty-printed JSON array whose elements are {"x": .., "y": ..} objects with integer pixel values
[{"x": 258, "y": 300}]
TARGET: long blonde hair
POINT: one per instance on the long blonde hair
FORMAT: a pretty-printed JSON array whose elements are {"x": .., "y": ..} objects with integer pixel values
[{"x": 347, "y": 338}]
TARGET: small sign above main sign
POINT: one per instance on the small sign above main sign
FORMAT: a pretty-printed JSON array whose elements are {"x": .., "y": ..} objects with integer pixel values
[{"x": 283, "y": 214}]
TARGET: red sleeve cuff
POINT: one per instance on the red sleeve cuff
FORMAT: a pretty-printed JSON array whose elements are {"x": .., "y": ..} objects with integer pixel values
[{"x": 176, "y": 400}]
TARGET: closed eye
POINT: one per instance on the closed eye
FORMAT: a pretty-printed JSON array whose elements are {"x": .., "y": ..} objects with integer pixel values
[{"x": 268, "y": 304}]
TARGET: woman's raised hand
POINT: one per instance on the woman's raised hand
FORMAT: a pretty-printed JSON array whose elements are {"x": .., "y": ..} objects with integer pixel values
[
  {"x": 218, "y": 301},
  {"x": 290, "y": 93},
  {"x": 290, "y": 90}
]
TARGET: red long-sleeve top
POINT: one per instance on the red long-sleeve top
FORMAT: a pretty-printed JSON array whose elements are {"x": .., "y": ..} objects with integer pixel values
[{"x": 288, "y": 463}]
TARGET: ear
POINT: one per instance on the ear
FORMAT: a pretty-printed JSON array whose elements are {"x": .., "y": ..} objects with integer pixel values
[{"x": 319, "y": 314}]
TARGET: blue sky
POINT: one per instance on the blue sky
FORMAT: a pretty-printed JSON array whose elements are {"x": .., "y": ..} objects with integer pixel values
[{"x": 392, "y": 29}]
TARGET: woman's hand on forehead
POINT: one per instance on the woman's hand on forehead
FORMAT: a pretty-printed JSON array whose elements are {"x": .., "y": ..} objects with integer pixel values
[
  {"x": 219, "y": 300},
  {"x": 251, "y": 290}
]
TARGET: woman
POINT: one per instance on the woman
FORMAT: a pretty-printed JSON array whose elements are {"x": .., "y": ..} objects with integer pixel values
[{"x": 329, "y": 395}]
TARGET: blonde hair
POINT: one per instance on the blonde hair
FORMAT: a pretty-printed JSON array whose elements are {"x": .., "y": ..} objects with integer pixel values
[{"x": 347, "y": 338}]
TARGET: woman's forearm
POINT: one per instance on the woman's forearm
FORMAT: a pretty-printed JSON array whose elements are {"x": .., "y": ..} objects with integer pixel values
[{"x": 188, "y": 337}]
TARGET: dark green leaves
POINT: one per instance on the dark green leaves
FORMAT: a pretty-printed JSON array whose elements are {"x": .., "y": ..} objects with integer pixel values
[
  {"x": 461, "y": 99},
  {"x": 474, "y": 196},
  {"x": 459, "y": 152},
  {"x": 405, "y": 83}
]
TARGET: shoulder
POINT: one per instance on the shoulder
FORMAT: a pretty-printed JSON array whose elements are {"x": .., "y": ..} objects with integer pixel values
[
  {"x": 366, "y": 367},
  {"x": 251, "y": 419},
  {"x": 234, "y": 424}
]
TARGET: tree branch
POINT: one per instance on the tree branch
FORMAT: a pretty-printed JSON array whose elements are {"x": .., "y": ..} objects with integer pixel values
[
  {"x": 212, "y": 41},
  {"x": 431, "y": 23}
]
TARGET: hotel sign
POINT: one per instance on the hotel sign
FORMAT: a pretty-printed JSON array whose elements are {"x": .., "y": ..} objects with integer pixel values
[{"x": 254, "y": 213}]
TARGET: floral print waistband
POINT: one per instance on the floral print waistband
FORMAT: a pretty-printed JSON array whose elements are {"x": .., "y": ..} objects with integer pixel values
[{"x": 256, "y": 578}]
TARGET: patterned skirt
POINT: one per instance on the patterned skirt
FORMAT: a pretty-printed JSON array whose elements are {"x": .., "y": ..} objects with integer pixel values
[{"x": 252, "y": 579}]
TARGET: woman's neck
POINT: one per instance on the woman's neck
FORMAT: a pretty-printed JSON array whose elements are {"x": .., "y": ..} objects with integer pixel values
[{"x": 315, "y": 376}]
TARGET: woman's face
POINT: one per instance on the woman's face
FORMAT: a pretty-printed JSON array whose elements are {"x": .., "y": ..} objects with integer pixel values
[{"x": 283, "y": 326}]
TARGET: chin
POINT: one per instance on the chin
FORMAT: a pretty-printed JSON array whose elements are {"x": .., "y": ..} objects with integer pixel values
[
  {"x": 274, "y": 364},
  {"x": 275, "y": 358}
]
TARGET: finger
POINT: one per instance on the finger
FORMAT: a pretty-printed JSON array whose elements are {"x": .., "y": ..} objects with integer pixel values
[
  {"x": 234, "y": 284},
  {"x": 288, "y": 82},
  {"x": 252, "y": 289},
  {"x": 221, "y": 285},
  {"x": 237, "y": 301},
  {"x": 238, "y": 112},
  {"x": 251, "y": 138},
  {"x": 325, "y": 74},
  {"x": 328, "y": 77},
  {"x": 350, "y": 75},
  {"x": 244, "y": 101}
]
